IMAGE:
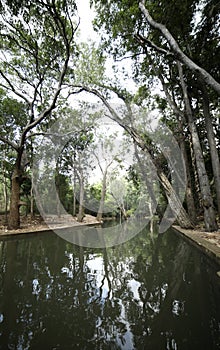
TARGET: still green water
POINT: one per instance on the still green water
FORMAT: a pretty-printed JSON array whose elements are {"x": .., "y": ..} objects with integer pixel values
[{"x": 153, "y": 292}]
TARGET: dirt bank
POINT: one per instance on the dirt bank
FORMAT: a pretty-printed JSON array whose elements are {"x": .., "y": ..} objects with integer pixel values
[{"x": 37, "y": 224}]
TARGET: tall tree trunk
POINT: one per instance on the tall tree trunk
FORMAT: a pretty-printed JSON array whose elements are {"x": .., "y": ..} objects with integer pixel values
[
  {"x": 180, "y": 117},
  {"x": 80, "y": 214},
  {"x": 58, "y": 205},
  {"x": 58, "y": 208},
  {"x": 32, "y": 199},
  {"x": 74, "y": 183},
  {"x": 74, "y": 199},
  {"x": 103, "y": 193},
  {"x": 197, "y": 193},
  {"x": 212, "y": 144},
  {"x": 5, "y": 192},
  {"x": 207, "y": 201},
  {"x": 14, "y": 215},
  {"x": 190, "y": 202},
  {"x": 16, "y": 181},
  {"x": 32, "y": 180}
]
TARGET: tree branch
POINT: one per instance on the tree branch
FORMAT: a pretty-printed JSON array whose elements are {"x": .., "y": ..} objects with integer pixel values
[
  {"x": 73, "y": 132},
  {"x": 12, "y": 88},
  {"x": 143, "y": 41},
  {"x": 10, "y": 143},
  {"x": 114, "y": 116},
  {"x": 178, "y": 52}
]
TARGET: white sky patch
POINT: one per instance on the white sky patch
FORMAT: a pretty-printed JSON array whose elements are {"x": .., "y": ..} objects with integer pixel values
[{"x": 86, "y": 15}]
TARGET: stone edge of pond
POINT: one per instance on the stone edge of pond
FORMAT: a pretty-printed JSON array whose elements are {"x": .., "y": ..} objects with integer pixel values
[
  {"x": 46, "y": 229},
  {"x": 198, "y": 240}
]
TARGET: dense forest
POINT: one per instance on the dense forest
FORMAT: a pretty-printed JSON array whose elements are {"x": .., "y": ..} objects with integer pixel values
[{"x": 125, "y": 125}]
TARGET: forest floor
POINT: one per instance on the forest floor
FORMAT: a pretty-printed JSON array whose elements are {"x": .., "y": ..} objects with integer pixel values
[{"x": 37, "y": 223}]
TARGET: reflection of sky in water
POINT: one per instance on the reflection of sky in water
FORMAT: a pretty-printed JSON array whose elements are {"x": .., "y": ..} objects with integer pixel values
[
  {"x": 134, "y": 285},
  {"x": 97, "y": 271}
]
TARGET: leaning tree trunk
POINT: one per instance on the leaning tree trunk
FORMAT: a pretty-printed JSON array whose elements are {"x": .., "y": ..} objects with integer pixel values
[
  {"x": 175, "y": 203},
  {"x": 149, "y": 185},
  {"x": 173, "y": 198},
  {"x": 207, "y": 201},
  {"x": 212, "y": 144}
]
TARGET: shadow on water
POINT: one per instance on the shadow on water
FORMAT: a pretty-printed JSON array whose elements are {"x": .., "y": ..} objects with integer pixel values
[{"x": 152, "y": 292}]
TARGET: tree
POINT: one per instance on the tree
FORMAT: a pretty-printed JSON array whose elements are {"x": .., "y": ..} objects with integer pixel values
[
  {"x": 37, "y": 44},
  {"x": 178, "y": 53},
  {"x": 155, "y": 30},
  {"x": 118, "y": 191},
  {"x": 126, "y": 122},
  {"x": 108, "y": 158},
  {"x": 157, "y": 37},
  {"x": 74, "y": 160},
  {"x": 207, "y": 202}
]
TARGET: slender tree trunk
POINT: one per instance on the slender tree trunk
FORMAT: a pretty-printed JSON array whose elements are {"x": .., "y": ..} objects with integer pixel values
[
  {"x": 197, "y": 194},
  {"x": 80, "y": 214},
  {"x": 32, "y": 181},
  {"x": 58, "y": 209},
  {"x": 123, "y": 211},
  {"x": 207, "y": 202},
  {"x": 74, "y": 184},
  {"x": 121, "y": 206},
  {"x": 32, "y": 199},
  {"x": 190, "y": 202},
  {"x": 5, "y": 190},
  {"x": 102, "y": 200},
  {"x": 5, "y": 194},
  {"x": 74, "y": 199},
  {"x": 212, "y": 144}
]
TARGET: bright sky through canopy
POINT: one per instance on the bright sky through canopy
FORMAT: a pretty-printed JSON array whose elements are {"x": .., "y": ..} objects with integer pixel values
[{"x": 86, "y": 15}]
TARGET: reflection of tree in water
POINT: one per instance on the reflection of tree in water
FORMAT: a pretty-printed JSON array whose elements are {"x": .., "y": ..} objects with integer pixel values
[
  {"x": 167, "y": 304},
  {"x": 137, "y": 295},
  {"x": 152, "y": 311},
  {"x": 47, "y": 306}
]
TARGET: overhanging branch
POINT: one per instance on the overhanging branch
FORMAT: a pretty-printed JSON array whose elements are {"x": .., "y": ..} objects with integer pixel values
[
  {"x": 10, "y": 143},
  {"x": 181, "y": 56}
]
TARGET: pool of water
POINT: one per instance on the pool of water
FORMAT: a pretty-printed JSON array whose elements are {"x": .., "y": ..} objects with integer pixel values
[{"x": 152, "y": 292}]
